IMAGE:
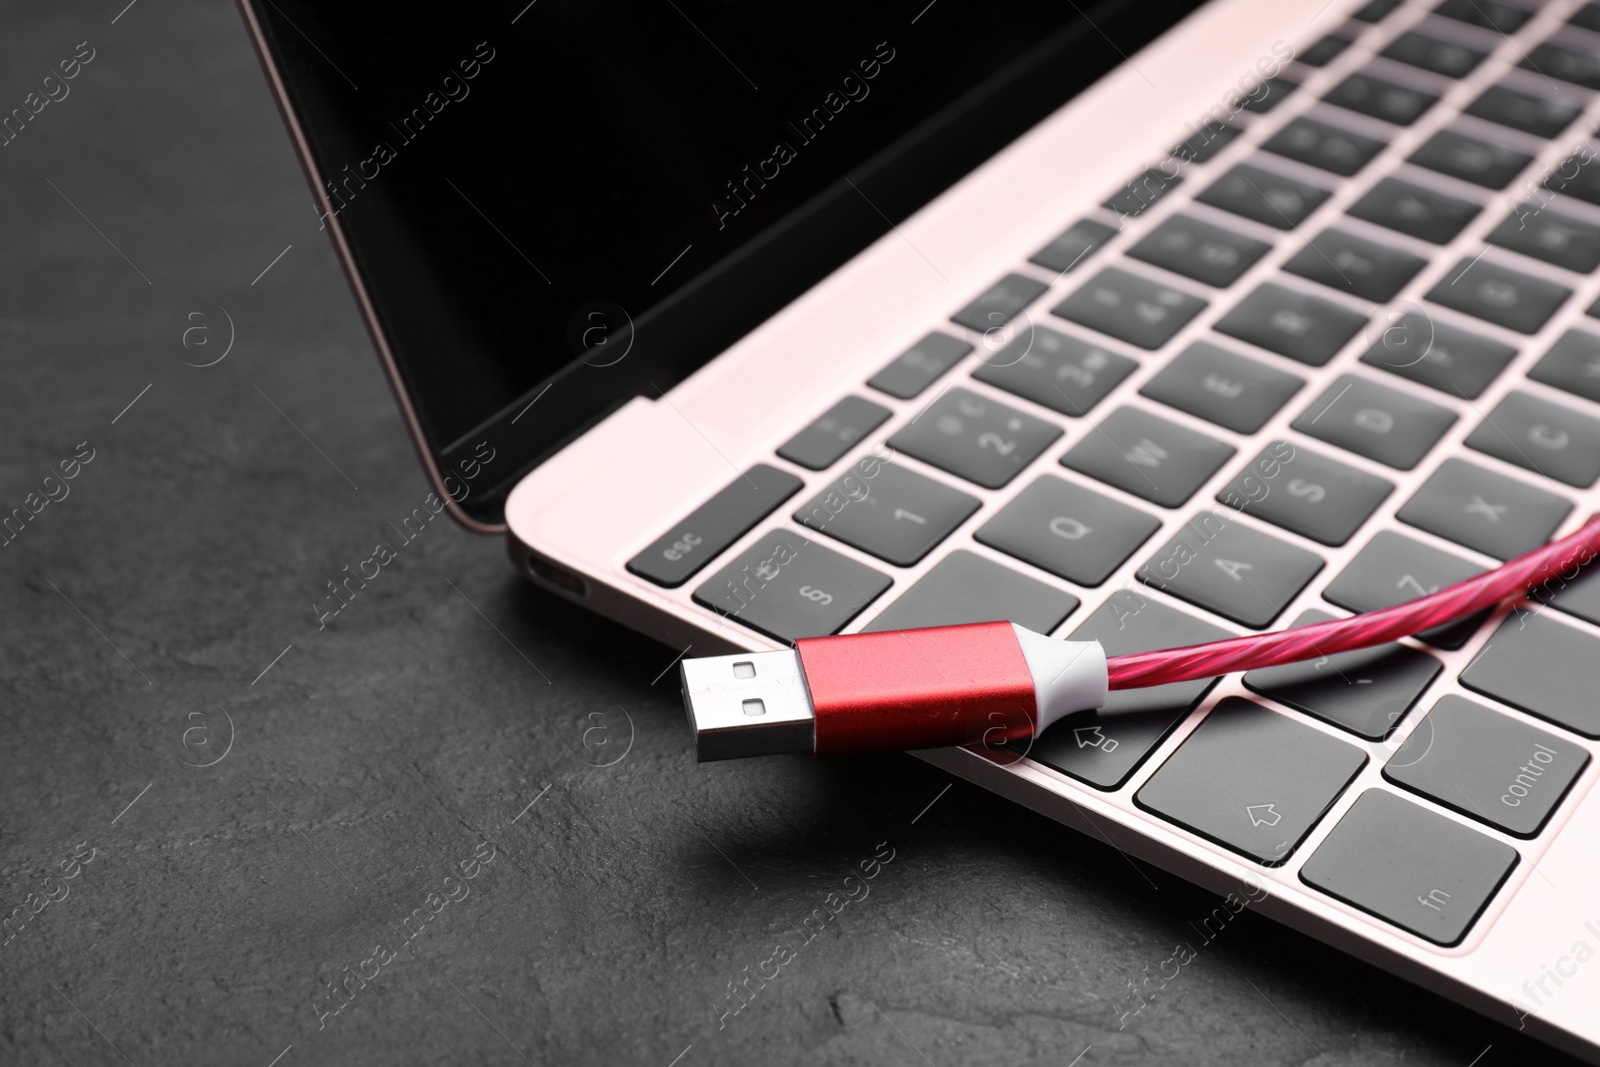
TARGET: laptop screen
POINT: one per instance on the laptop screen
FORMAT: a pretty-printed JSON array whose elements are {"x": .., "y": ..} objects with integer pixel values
[{"x": 557, "y": 206}]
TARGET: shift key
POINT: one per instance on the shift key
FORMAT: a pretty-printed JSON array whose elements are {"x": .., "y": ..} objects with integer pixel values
[{"x": 679, "y": 553}]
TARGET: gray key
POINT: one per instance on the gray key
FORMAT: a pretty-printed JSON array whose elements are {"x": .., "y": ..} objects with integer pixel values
[
  {"x": 1554, "y": 60},
  {"x": 896, "y": 514},
  {"x": 1216, "y": 562},
  {"x": 1572, "y": 364},
  {"x": 1479, "y": 162},
  {"x": 1321, "y": 145},
  {"x": 1366, "y": 692},
  {"x": 1448, "y": 358},
  {"x": 820, "y": 445},
  {"x": 1576, "y": 594},
  {"x": 1130, "y": 308},
  {"x": 1483, "y": 510},
  {"x": 1060, "y": 372},
  {"x": 1355, "y": 265},
  {"x": 1499, "y": 295},
  {"x": 1075, "y": 245},
  {"x": 965, "y": 587},
  {"x": 1375, "y": 421},
  {"x": 1276, "y": 89},
  {"x": 1268, "y": 198},
  {"x": 1577, "y": 176},
  {"x": 1000, "y": 303},
  {"x": 1544, "y": 667},
  {"x": 1549, "y": 439},
  {"x": 1132, "y": 199},
  {"x": 1200, "y": 250},
  {"x": 1072, "y": 532},
  {"x": 1252, "y": 780},
  {"x": 919, "y": 366},
  {"x": 1382, "y": 99},
  {"x": 1325, "y": 51},
  {"x": 1393, "y": 569},
  {"x": 788, "y": 587},
  {"x": 1430, "y": 53},
  {"x": 1492, "y": 767},
  {"x": 980, "y": 439},
  {"x": 1149, "y": 457},
  {"x": 1540, "y": 233},
  {"x": 1306, "y": 493},
  {"x": 1410, "y": 866},
  {"x": 1104, "y": 747},
  {"x": 1415, "y": 211},
  {"x": 675, "y": 556},
  {"x": 1209, "y": 138},
  {"x": 1490, "y": 14},
  {"x": 1220, "y": 386},
  {"x": 1294, "y": 324},
  {"x": 1542, "y": 116}
]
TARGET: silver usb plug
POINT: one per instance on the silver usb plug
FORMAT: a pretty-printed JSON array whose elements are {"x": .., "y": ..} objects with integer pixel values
[{"x": 751, "y": 704}]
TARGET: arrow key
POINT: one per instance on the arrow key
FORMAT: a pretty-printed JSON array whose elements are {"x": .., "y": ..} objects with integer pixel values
[{"x": 1252, "y": 780}]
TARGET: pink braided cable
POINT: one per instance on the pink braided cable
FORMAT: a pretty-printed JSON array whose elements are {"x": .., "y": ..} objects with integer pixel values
[{"x": 1559, "y": 559}]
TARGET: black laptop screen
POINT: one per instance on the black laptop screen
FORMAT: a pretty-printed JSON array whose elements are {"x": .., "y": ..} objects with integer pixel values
[{"x": 570, "y": 204}]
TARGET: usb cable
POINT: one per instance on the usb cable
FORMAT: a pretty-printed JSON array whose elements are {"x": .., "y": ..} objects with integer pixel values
[{"x": 991, "y": 683}]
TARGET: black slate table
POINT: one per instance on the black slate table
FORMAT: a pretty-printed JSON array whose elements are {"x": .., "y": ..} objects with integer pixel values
[{"x": 471, "y": 807}]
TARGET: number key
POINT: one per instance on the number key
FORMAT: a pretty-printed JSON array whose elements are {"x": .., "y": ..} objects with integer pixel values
[
  {"x": 1130, "y": 308},
  {"x": 788, "y": 588},
  {"x": 882, "y": 508},
  {"x": 1057, "y": 371},
  {"x": 980, "y": 439}
]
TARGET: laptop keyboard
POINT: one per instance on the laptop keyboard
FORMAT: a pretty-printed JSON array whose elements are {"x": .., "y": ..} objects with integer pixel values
[{"x": 1123, "y": 431}]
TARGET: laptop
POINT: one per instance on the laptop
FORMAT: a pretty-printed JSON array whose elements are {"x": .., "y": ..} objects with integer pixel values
[{"x": 1147, "y": 322}]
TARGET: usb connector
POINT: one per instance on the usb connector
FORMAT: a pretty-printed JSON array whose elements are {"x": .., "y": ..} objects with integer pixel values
[
  {"x": 985, "y": 683},
  {"x": 753, "y": 704}
]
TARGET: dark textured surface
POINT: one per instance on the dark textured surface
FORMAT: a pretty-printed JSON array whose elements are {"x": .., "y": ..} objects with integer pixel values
[{"x": 379, "y": 752}]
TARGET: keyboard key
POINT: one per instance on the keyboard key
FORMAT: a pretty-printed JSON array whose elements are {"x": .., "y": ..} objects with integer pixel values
[
  {"x": 1393, "y": 569},
  {"x": 1273, "y": 92},
  {"x": 1366, "y": 692},
  {"x": 1499, "y": 295},
  {"x": 979, "y": 439},
  {"x": 1479, "y": 162},
  {"x": 1415, "y": 211},
  {"x": 1448, "y": 358},
  {"x": 1200, "y": 250},
  {"x": 1355, "y": 265},
  {"x": 1130, "y": 308},
  {"x": 1542, "y": 116},
  {"x": 1217, "y": 385},
  {"x": 1318, "y": 144},
  {"x": 1057, "y": 371},
  {"x": 1375, "y": 10},
  {"x": 1252, "y": 780},
  {"x": 1324, "y": 51},
  {"x": 1486, "y": 765},
  {"x": 788, "y": 587},
  {"x": 1143, "y": 191},
  {"x": 1372, "y": 420},
  {"x": 1577, "y": 595},
  {"x": 919, "y": 366},
  {"x": 1072, "y": 532},
  {"x": 1549, "y": 439},
  {"x": 1555, "y": 238},
  {"x": 1104, "y": 747},
  {"x": 1074, "y": 245},
  {"x": 1572, "y": 364},
  {"x": 1217, "y": 563},
  {"x": 896, "y": 514},
  {"x": 1265, "y": 197},
  {"x": 1147, "y": 456},
  {"x": 1490, "y": 14},
  {"x": 675, "y": 556},
  {"x": 1369, "y": 95},
  {"x": 1410, "y": 866},
  {"x": 965, "y": 587},
  {"x": 1483, "y": 510},
  {"x": 1577, "y": 176},
  {"x": 1587, "y": 17},
  {"x": 1294, "y": 324},
  {"x": 1307, "y": 494},
  {"x": 1000, "y": 303},
  {"x": 1569, "y": 64},
  {"x": 1207, "y": 141},
  {"x": 1430, "y": 53},
  {"x": 820, "y": 445},
  {"x": 1543, "y": 667}
]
